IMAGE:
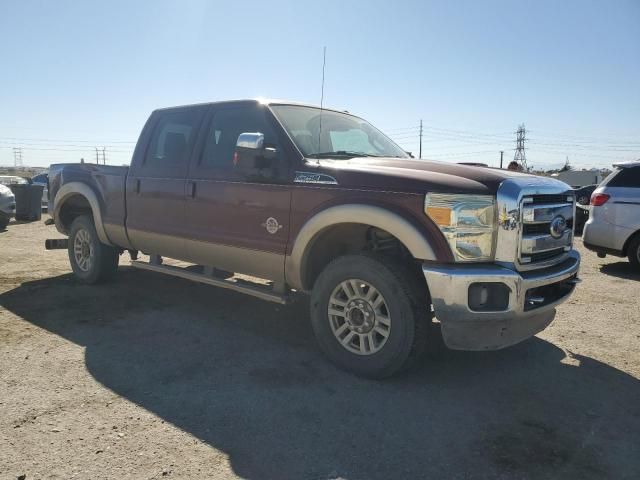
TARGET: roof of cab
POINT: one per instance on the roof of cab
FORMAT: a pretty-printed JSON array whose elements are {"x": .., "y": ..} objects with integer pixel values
[
  {"x": 262, "y": 101},
  {"x": 633, "y": 163}
]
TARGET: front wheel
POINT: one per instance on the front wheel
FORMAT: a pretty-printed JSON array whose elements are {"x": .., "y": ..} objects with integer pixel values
[
  {"x": 91, "y": 260},
  {"x": 370, "y": 315}
]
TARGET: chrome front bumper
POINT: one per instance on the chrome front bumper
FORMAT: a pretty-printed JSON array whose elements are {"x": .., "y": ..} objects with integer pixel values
[{"x": 530, "y": 306}]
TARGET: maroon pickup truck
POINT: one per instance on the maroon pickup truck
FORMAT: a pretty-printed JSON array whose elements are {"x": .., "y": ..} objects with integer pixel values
[{"x": 320, "y": 201}]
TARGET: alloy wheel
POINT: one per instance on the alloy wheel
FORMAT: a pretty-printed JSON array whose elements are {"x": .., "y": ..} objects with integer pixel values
[{"x": 359, "y": 317}]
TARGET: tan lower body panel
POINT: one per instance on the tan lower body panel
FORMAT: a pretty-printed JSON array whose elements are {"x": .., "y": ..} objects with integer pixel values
[{"x": 257, "y": 263}]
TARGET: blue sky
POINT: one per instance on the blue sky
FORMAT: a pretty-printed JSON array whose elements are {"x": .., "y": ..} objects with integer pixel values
[{"x": 81, "y": 74}]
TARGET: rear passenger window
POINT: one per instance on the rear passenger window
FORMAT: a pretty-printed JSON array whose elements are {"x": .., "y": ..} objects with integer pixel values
[
  {"x": 626, "y": 177},
  {"x": 226, "y": 126},
  {"x": 168, "y": 146}
]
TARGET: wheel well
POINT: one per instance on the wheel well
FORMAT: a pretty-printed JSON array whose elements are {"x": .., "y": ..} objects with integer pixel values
[
  {"x": 631, "y": 238},
  {"x": 72, "y": 208},
  {"x": 346, "y": 238}
]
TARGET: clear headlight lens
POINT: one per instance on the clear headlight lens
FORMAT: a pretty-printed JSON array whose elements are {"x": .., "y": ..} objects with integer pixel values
[{"x": 467, "y": 221}]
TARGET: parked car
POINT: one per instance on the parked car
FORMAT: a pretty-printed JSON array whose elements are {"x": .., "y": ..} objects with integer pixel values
[
  {"x": 12, "y": 180},
  {"x": 322, "y": 202},
  {"x": 582, "y": 215},
  {"x": 583, "y": 194},
  {"x": 614, "y": 221},
  {"x": 43, "y": 179},
  {"x": 7, "y": 206}
]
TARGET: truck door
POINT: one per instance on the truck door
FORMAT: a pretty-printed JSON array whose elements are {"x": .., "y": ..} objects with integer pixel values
[
  {"x": 156, "y": 183},
  {"x": 238, "y": 205}
]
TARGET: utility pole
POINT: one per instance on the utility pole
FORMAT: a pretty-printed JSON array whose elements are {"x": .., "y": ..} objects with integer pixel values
[
  {"x": 501, "y": 155},
  {"x": 520, "y": 156},
  {"x": 17, "y": 156},
  {"x": 420, "y": 155}
]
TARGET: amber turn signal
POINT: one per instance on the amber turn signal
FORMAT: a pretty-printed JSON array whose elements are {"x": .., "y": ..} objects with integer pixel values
[{"x": 440, "y": 215}]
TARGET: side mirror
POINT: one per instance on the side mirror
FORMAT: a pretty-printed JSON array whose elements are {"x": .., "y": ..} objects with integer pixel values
[
  {"x": 251, "y": 152},
  {"x": 253, "y": 141}
]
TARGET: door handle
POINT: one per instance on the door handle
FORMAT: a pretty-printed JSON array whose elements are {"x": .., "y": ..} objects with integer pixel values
[
  {"x": 138, "y": 186},
  {"x": 192, "y": 189}
]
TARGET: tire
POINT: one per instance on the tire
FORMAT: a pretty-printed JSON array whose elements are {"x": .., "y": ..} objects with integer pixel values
[
  {"x": 3, "y": 224},
  {"x": 91, "y": 260},
  {"x": 633, "y": 253},
  {"x": 403, "y": 315}
]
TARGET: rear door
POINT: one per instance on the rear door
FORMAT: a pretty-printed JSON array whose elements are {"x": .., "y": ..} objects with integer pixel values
[
  {"x": 156, "y": 183},
  {"x": 620, "y": 214},
  {"x": 624, "y": 189},
  {"x": 238, "y": 213}
]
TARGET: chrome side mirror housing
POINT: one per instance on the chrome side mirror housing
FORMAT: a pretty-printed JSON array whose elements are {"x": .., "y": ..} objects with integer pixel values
[{"x": 253, "y": 141}]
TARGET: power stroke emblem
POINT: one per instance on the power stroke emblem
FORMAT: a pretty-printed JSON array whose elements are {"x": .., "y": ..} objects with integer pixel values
[
  {"x": 558, "y": 226},
  {"x": 272, "y": 225},
  {"x": 317, "y": 178}
]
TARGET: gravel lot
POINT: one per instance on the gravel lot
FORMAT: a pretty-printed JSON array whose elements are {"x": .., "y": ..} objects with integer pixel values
[{"x": 155, "y": 377}]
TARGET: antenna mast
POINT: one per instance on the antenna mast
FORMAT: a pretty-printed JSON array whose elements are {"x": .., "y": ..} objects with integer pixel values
[{"x": 324, "y": 62}]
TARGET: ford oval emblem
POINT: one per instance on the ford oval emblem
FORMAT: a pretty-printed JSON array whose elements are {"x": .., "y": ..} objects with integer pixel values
[{"x": 558, "y": 226}]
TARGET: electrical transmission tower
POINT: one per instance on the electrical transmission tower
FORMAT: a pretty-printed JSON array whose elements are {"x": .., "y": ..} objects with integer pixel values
[
  {"x": 17, "y": 156},
  {"x": 520, "y": 155},
  {"x": 101, "y": 153}
]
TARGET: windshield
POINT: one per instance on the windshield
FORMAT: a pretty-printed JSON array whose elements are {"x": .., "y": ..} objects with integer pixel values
[{"x": 319, "y": 133}]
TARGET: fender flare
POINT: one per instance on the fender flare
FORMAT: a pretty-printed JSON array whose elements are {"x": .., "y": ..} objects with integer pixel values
[
  {"x": 77, "y": 188},
  {"x": 378, "y": 217}
]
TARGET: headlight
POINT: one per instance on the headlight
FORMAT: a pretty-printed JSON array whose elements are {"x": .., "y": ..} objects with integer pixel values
[{"x": 467, "y": 222}]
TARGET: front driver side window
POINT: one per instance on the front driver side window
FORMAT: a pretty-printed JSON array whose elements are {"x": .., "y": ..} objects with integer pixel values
[{"x": 225, "y": 128}]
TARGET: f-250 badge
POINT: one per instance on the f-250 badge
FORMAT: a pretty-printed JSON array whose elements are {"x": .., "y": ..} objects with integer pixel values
[{"x": 272, "y": 225}]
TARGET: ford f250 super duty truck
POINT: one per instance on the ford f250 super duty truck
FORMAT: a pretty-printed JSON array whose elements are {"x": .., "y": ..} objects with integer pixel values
[{"x": 320, "y": 201}]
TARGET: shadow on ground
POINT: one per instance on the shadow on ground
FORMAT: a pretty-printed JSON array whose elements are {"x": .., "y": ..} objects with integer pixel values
[
  {"x": 621, "y": 270},
  {"x": 246, "y": 377}
]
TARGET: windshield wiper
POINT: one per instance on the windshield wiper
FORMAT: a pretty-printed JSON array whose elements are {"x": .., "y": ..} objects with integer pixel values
[{"x": 341, "y": 153}]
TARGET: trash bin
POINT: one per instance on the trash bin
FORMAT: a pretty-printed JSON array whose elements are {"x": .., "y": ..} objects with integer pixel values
[{"x": 28, "y": 201}]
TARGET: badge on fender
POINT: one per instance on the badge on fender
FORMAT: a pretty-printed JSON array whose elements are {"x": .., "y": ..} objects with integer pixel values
[{"x": 272, "y": 225}]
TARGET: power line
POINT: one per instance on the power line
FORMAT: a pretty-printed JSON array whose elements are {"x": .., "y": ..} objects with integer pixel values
[
  {"x": 64, "y": 145},
  {"x": 65, "y": 141},
  {"x": 87, "y": 149}
]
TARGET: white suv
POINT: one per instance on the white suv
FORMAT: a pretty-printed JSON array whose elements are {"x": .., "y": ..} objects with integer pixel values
[{"x": 614, "y": 221}]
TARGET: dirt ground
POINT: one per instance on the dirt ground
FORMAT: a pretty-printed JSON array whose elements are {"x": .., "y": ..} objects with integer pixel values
[{"x": 155, "y": 377}]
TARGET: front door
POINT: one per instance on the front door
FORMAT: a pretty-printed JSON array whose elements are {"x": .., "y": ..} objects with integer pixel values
[
  {"x": 156, "y": 183},
  {"x": 238, "y": 213}
]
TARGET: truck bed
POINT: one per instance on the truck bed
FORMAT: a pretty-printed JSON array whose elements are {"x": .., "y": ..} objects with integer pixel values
[{"x": 107, "y": 182}]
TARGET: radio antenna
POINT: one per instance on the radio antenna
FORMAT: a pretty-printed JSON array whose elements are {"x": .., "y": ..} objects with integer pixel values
[{"x": 324, "y": 62}]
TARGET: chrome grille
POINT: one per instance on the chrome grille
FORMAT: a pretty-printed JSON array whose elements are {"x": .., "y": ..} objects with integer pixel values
[
  {"x": 537, "y": 244},
  {"x": 526, "y": 206}
]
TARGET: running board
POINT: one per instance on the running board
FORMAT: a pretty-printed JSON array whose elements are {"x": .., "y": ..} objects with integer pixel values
[{"x": 255, "y": 290}]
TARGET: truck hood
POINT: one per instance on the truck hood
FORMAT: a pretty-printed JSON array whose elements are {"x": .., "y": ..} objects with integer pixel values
[{"x": 415, "y": 176}]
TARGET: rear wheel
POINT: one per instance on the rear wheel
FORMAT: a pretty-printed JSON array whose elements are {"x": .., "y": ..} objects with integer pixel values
[
  {"x": 369, "y": 315},
  {"x": 91, "y": 260},
  {"x": 633, "y": 252}
]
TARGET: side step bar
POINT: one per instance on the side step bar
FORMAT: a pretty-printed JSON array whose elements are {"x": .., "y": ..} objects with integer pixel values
[
  {"x": 254, "y": 290},
  {"x": 56, "y": 243}
]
